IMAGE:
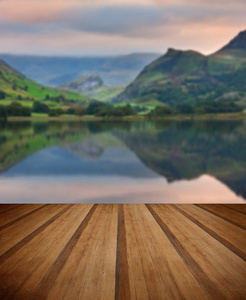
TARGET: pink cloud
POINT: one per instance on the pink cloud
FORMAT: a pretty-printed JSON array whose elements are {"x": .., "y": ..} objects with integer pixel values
[
  {"x": 205, "y": 189},
  {"x": 30, "y": 12},
  {"x": 80, "y": 27}
]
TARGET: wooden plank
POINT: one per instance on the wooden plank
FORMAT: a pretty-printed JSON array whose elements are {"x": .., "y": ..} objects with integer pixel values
[
  {"x": 141, "y": 268},
  {"x": 92, "y": 261},
  {"x": 31, "y": 262},
  {"x": 234, "y": 217},
  {"x": 15, "y": 268},
  {"x": 80, "y": 252},
  {"x": 102, "y": 270},
  {"x": 225, "y": 270},
  {"x": 193, "y": 266},
  {"x": 156, "y": 271},
  {"x": 85, "y": 213},
  {"x": 14, "y": 216},
  {"x": 32, "y": 273},
  {"x": 7, "y": 207},
  {"x": 17, "y": 235},
  {"x": 122, "y": 287},
  {"x": 228, "y": 234},
  {"x": 237, "y": 207}
]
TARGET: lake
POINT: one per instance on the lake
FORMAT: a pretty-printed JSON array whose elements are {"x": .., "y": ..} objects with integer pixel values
[{"x": 123, "y": 162}]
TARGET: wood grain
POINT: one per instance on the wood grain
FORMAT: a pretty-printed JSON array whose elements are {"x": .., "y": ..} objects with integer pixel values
[
  {"x": 207, "y": 253},
  {"x": 235, "y": 217},
  {"x": 11, "y": 217},
  {"x": 122, "y": 251},
  {"x": 227, "y": 233}
]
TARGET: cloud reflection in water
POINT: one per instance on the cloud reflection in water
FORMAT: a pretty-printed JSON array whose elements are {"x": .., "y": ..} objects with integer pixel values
[{"x": 113, "y": 189}]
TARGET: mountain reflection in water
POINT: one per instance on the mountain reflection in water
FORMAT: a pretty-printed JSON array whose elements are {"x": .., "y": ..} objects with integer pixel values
[{"x": 123, "y": 162}]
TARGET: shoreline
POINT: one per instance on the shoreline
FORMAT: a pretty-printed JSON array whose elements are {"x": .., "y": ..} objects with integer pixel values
[{"x": 222, "y": 116}]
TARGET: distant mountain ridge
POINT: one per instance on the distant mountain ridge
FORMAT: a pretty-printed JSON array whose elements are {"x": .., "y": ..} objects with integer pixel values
[
  {"x": 54, "y": 71},
  {"x": 188, "y": 76}
]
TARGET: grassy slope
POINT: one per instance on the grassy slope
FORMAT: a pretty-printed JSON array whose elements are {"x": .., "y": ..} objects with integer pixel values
[
  {"x": 15, "y": 84},
  {"x": 168, "y": 70},
  {"x": 191, "y": 74},
  {"x": 105, "y": 93}
]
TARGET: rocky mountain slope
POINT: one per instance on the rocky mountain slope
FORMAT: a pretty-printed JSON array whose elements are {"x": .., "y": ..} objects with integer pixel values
[
  {"x": 94, "y": 87},
  {"x": 83, "y": 84}
]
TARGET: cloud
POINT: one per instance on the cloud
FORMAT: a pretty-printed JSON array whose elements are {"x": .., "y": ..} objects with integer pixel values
[
  {"x": 125, "y": 20},
  {"x": 147, "y": 21},
  {"x": 106, "y": 25},
  {"x": 117, "y": 16},
  {"x": 31, "y": 11},
  {"x": 115, "y": 20}
]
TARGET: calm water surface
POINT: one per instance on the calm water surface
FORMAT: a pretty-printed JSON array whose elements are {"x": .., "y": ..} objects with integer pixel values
[{"x": 123, "y": 162}]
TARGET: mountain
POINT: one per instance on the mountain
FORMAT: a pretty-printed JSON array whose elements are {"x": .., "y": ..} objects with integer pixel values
[
  {"x": 94, "y": 87},
  {"x": 189, "y": 76},
  {"x": 16, "y": 86},
  {"x": 238, "y": 43},
  {"x": 54, "y": 71},
  {"x": 83, "y": 84}
]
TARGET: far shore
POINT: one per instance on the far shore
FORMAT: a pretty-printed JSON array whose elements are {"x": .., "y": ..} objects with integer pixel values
[{"x": 222, "y": 116}]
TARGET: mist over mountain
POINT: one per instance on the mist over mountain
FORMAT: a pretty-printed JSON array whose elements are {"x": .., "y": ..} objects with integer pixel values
[{"x": 54, "y": 71}]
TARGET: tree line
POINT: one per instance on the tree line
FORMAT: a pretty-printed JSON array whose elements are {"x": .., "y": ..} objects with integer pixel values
[
  {"x": 203, "y": 107},
  {"x": 107, "y": 110}
]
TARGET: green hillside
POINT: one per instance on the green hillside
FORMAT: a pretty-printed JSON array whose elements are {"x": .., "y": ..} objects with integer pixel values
[
  {"x": 105, "y": 93},
  {"x": 15, "y": 86},
  {"x": 190, "y": 77}
]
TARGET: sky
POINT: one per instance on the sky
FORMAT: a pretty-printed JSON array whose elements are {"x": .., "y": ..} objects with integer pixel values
[{"x": 113, "y": 27}]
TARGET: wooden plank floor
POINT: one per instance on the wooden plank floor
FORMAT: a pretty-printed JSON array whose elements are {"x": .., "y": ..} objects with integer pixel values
[{"x": 122, "y": 251}]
